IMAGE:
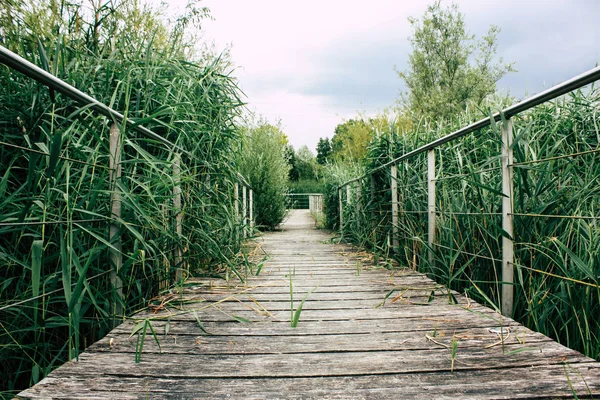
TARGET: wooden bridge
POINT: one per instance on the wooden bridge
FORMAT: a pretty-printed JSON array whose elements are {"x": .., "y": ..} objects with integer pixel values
[{"x": 364, "y": 332}]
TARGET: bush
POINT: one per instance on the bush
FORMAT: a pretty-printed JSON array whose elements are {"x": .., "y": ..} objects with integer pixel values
[
  {"x": 307, "y": 186},
  {"x": 265, "y": 166},
  {"x": 333, "y": 176}
]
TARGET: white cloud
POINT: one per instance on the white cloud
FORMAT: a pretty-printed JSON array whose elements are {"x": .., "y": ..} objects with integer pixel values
[{"x": 312, "y": 63}]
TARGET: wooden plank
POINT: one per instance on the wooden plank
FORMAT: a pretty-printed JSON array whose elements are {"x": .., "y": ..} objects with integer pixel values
[
  {"x": 227, "y": 313},
  {"x": 319, "y": 364},
  {"x": 433, "y": 325},
  {"x": 187, "y": 339},
  {"x": 514, "y": 383}
]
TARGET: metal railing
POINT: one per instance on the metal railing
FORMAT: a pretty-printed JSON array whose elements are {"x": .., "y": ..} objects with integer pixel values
[
  {"x": 504, "y": 118},
  {"x": 115, "y": 221},
  {"x": 306, "y": 201}
]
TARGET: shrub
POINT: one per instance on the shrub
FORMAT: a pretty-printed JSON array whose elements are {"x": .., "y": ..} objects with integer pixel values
[{"x": 265, "y": 166}]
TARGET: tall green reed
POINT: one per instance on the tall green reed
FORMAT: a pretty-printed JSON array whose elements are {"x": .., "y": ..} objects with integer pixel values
[
  {"x": 56, "y": 295},
  {"x": 556, "y": 203}
]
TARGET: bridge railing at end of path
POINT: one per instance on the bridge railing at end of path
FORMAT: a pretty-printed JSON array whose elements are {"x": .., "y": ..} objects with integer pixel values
[
  {"x": 306, "y": 201},
  {"x": 388, "y": 220}
]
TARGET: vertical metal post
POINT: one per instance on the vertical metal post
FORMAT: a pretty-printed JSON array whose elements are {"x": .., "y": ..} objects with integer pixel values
[
  {"x": 244, "y": 210},
  {"x": 251, "y": 209},
  {"x": 372, "y": 193},
  {"x": 236, "y": 208},
  {"x": 373, "y": 221},
  {"x": 178, "y": 215},
  {"x": 348, "y": 193},
  {"x": 507, "y": 220},
  {"x": 341, "y": 204},
  {"x": 394, "y": 189},
  {"x": 358, "y": 198},
  {"x": 431, "y": 202},
  {"x": 115, "y": 254}
]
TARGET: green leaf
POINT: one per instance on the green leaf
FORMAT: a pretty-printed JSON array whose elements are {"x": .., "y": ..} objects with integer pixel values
[
  {"x": 485, "y": 187},
  {"x": 37, "y": 248},
  {"x": 296, "y": 316},
  {"x": 138, "y": 327},
  {"x": 55, "y": 149},
  {"x": 241, "y": 319},
  {"x": 149, "y": 324},
  {"x": 43, "y": 55},
  {"x": 66, "y": 268},
  {"x": 200, "y": 324}
]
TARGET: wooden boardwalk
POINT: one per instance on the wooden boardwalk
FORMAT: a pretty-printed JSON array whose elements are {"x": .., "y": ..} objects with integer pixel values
[{"x": 347, "y": 345}]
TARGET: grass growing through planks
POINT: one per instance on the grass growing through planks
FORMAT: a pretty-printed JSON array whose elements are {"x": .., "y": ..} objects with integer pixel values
[
  {"x": 141, "y": 329},
  {"x": 295, "y": 312},
  {"x": 453, "y": 350}
]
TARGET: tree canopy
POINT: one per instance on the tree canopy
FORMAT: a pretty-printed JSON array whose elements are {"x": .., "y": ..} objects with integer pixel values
[
  {"x": 449, "y": 68},
  {"x": 323, "y": 151},
  {"x": 349, "y": 142},
  {"x": 264, "y": 163}
]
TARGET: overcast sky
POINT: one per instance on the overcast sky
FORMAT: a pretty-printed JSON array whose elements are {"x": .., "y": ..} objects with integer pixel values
[{"x": 313, "y": 63}]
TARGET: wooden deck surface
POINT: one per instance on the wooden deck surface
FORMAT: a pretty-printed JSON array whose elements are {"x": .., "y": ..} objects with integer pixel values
[{"x": 347, "y": 345}]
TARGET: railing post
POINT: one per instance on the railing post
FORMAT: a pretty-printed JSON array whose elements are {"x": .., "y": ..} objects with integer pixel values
[
  {"x": 348, "y": 194},
  {"x": 178, "y": 215},
  {"x": 394, "y": 189},
  {"x": 507, "y": 220},
  {"x": 341, "y": 204},
  {"x": 373, "y": 221},
  {"x": 236, "y": 208},
  {"x": 115, "y": 254},
  {"x": 358, "y": 198},
  {"x": 251, "y": 209},
  {"x": 244, "y": 210},
  {"x": 373, "y": 215},
  {"x": 431, "y": 202}
]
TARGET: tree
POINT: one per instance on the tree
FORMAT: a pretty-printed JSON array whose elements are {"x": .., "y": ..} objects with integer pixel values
[
  {"x": 350, "y": 140},
  {"x": 323, "y": 151},
  {"x": 449, "y": 68},
  {"x": 290, "y": 156},
  {"x": 306, "y": 163},
  {"x": 264, "y": 164}
]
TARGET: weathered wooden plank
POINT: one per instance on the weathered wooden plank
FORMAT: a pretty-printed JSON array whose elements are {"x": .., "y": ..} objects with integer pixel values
[
  {"x": 341, "y": 299},
  {"x": 430, "y": 324},
  {"x": 281, "y": 296},
  {"x": 226, "y": 310},
  {"x": 242, "y": 303},
  {"x": 188, "y": 339},
  {"x": 515, "y": 383},
  {"x": 319, "y": 364}
]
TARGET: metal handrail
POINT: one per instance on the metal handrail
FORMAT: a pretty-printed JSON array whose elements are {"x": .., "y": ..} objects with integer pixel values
[
  {"x": 27, "y": 68},
  {"x": 31, "y": 70},
  {"x": 556, "y": 91}
]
